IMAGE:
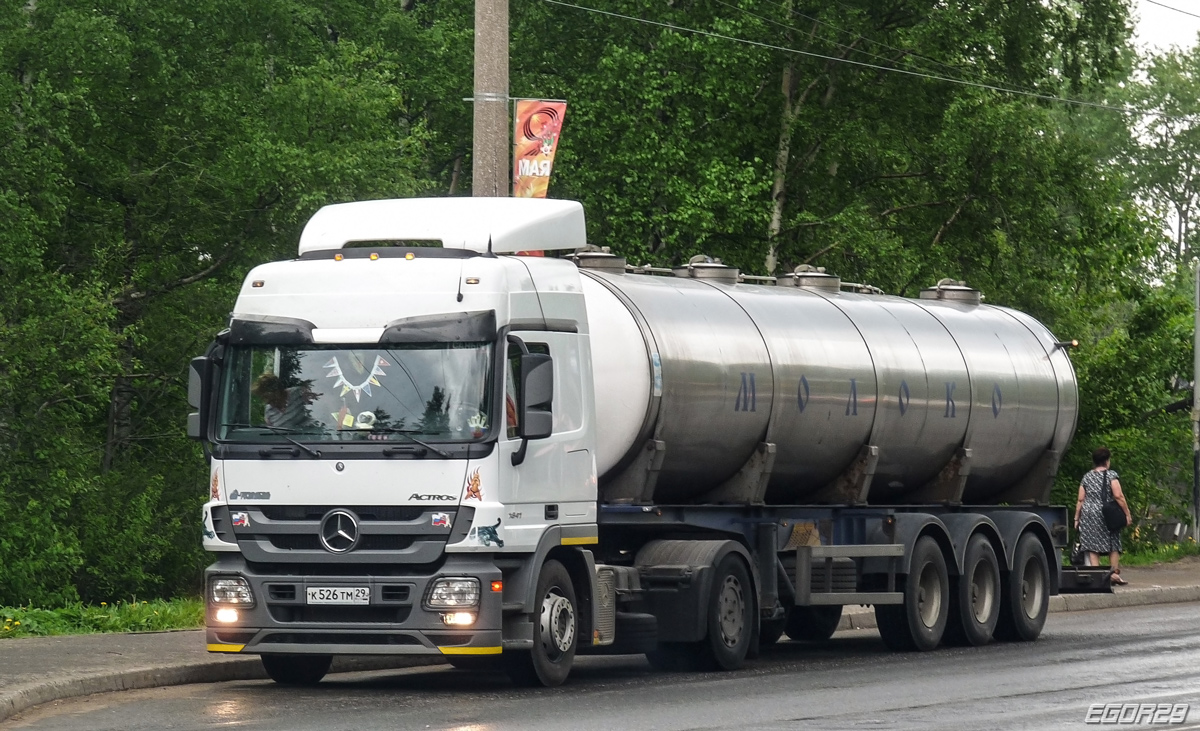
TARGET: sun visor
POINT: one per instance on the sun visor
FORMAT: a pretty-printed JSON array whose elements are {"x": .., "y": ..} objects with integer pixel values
[
  {"x": 457, "y": 327},
  {"x": 269, "y": 330}
]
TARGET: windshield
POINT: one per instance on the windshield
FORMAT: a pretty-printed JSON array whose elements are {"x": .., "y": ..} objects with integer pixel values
[{"x": 437, "y": 392}]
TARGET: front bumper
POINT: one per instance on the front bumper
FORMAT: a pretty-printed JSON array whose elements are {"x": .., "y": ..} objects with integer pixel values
[{"x": 394, "y": 623}]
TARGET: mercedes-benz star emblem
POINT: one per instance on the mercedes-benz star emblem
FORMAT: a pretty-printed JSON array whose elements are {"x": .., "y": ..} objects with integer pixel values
[{"x": 339, "y": 531}]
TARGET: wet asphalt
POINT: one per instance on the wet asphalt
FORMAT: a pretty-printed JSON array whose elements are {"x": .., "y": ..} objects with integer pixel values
[{"x": 1136, "y": 655}]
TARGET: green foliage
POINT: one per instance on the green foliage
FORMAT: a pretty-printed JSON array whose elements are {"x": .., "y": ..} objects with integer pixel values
[
  {"x": 152, "y": 152},
  {"x": 76, "y": 618}
]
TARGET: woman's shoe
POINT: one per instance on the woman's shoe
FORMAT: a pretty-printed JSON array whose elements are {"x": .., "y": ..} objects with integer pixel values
[{"x": 1115, "y": 578}]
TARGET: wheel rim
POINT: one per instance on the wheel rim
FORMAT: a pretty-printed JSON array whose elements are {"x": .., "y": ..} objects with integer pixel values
[
  {"x": 1033, "y": 588},
  {"x": 929, "y": 596},
  {"x": 731, "y": 608},
  {"x": 983, "y": 591},
  {"x": 558, "y": 624}
]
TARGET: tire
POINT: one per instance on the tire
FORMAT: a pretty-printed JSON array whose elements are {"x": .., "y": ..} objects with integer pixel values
[
  {"x": 1025, "y": 599},
  {"x": 297, "y": 669},
  {"x": 556, "y": 635},
  {"x": 975, "y": 601},
  {"x": 731, "y": 616},
  {"x": 920, "y": 622},
  {"x": 813, "y": 624}
]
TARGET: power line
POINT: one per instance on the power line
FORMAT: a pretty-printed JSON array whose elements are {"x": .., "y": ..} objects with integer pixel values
[
  {"x": 864, "y": 64},
  {"x": 1168, "y": 7},
  {"x": 907, "y": 54}
]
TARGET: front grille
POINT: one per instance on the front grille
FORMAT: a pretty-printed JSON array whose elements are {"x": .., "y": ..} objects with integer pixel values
[
  {"x": 333, "y": 568},
  {"x": 395, "y": 593},
  {"x": 281, "y": 592},
  {"x": 339, "y": 615},
  {"x": 308, "y": 542},
  {"x": 337, "y": 638},
  {"x": 367, "y": 514}
]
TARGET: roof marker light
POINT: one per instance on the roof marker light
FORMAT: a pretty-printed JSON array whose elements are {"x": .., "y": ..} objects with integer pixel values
[
  {"x": 374, "y": 256},
  {"x": 338, "y": 257},
  {"x": 410, "y": 256},
  {"x": 257, "y": 283}
]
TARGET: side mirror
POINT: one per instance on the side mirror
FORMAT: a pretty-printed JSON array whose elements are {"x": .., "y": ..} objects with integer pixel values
[
  {"x": 536, "y": 420},
  {"x": 199, "y": 377}
]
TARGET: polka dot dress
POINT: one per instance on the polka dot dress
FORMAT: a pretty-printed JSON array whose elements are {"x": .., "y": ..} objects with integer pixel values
[{"x": 1094, "y": 535}]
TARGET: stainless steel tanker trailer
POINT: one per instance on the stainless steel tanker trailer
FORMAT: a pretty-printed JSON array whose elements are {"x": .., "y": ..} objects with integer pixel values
[{"x": 425, "y": 440}]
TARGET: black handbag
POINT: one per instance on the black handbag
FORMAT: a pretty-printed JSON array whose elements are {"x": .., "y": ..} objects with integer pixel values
[
  {"x": 1114, "y": 516},
  {"x": 1078, "y": 555}
]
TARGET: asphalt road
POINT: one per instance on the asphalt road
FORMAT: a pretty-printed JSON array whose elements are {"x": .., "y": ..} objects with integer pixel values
[{"x": 1142, "y": 655}]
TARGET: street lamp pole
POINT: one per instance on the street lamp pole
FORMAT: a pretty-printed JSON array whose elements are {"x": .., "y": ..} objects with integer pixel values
[{"x": 490, "y": 148}]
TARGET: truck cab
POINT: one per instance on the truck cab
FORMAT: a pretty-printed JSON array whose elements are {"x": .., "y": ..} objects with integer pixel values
[{"x": 401, "y": 438}]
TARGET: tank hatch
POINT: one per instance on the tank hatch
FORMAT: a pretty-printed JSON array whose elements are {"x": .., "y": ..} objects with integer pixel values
[
  {"x": 704, "y": 267},
  {"x": 952, "y": 290},
  {"x": 599, "y": 258},
  {"x": 811, "y": 277}
]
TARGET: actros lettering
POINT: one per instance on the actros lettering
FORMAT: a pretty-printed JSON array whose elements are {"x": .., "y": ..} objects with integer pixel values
[{"x": 434, "y": 498}]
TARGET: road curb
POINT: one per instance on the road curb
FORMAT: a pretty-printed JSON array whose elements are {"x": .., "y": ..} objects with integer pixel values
[
  {"x": 864, "y": 618},
  {"x": 17, "y": 698}
]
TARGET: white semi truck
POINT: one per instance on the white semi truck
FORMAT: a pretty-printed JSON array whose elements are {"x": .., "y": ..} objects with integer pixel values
[{"x": 426, "y": 439}]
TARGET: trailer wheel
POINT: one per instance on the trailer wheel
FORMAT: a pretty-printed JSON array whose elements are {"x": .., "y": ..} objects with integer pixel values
[
  {"x": 1026, "y": 596},
  {"x": 554, "y": 641},
  {"x": 975, "y": 604},
  {"x": 813, "y": 624},
  {"x": 918, "y": 623},
  {"x": 297, "y": 669}
]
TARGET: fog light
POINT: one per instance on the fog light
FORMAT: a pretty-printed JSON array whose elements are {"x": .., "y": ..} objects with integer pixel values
[
  {"x": 227, "y": 615},
  {"x": 458, "y": 618}
]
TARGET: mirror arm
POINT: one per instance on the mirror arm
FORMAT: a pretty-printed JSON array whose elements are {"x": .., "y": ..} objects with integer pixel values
[{"x": 519, "y": 456}]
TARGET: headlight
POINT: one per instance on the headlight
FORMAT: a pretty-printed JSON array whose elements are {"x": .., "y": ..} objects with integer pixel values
[
  {"x": 460, "y": 592},
  {"x": 231, "y": 590}
]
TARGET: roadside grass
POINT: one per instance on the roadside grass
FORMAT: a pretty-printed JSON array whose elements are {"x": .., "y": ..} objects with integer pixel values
[
  {"x": 145, "y": 616},
  {"x": 1163, "y": 553}
]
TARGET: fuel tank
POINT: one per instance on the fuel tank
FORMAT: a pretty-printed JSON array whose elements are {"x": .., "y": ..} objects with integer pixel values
[{"x": 713, "y": 368}]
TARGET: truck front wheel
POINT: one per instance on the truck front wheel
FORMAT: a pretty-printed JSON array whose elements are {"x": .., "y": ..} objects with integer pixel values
[
  {"x": 297, "y": 669},
  {"x": 555, "y": 632}
]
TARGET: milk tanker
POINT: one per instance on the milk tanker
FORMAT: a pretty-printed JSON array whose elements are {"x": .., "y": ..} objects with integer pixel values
[{"x": 425, "y": 440}]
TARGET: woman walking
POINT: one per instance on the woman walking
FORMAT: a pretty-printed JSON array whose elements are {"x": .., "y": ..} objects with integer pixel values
[{"x": 1094, "y": 536}]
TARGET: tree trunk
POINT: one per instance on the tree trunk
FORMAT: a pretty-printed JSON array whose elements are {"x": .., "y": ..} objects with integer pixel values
[{"x": 120, "y": 421}]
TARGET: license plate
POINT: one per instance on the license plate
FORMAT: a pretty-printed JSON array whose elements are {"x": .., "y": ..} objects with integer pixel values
[{"x": 339, "y": 595}]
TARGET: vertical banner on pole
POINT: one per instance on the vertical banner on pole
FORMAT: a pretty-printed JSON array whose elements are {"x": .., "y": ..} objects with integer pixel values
[{"x": 537, "y": 126}]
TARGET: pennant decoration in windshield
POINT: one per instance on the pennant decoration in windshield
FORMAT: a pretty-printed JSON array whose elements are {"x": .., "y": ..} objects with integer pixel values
[{"x": 347, "y": 387}]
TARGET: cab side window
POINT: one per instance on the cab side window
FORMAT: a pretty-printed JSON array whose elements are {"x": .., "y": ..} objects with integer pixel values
[{"x": 512, "y": 383}]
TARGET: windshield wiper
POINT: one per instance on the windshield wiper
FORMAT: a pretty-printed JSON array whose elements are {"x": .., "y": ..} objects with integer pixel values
[
  {"x": 281, "y": 430},
  {"x": 407, "y": 434}
]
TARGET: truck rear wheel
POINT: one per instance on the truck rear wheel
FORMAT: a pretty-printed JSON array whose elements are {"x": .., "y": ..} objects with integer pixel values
[
  {"x": 813, "y": 624},
  {"x": 730, "y": 615},
  {"x": 296, "y": 669},
  {"x": 975, "y": 604},
  {"x": 1026, "y": 596},
  {"x": 920, "y": 622},
  {"x": 555, "y": 632}
]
